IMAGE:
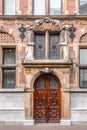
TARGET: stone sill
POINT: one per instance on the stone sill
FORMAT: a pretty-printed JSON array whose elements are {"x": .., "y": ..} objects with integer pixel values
[
  {"x": 78, "y": 109},
  {"x": 17, "y": 122},
  {"x": 47, "y": 63},
  {"x": 60, "y": 17},
  {"x": 8, "y": 65},
  {"x": 13, "y": 90},
  {"x": 78, "y": 90},
  {"x": 12, "y": 109},
  {"x": 74, "y": 90}
]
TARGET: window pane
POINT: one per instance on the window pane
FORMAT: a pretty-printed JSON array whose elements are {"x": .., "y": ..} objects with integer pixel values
[
  {"x": 54, "y": 47},
  {"x": 9, "y": 56},
  {"x": 40, "y": 83},
  {"x": 53, "y": 83},
  {"x": 39, "y": 7},
  {"x": 83, "y": 55},
  {"x": 9, "y": 7},
  {"x": 55, "y": 7},
  {"x": 8, "y": 78},
  {"x": 83, "y": 78},
  {"x": 39, "y": 47},
  {"x": 83, "y": 7}
]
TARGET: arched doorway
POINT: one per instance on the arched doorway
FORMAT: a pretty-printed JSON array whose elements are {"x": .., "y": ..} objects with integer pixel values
[{"x": 47, "y": 99}]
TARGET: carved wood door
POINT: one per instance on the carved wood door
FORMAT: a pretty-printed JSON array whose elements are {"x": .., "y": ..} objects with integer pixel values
[{"x": 47, "y": 99}]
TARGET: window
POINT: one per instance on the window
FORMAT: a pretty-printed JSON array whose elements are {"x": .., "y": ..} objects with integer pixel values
[
  {"x": 8, "y": 78},
  {"x": 39, "y": 46},
  {"x": 47, "y": 46},
  {"x": 9, "y": 56},
  {"x": 83, "y": 68},
  {"x": 39, "y": 7},
  {"x": 45, "y": 7},
  {"x": 55, "y": 7},
  {"x": 83, "y": 7},
  {"x": 9, "y": 7}
]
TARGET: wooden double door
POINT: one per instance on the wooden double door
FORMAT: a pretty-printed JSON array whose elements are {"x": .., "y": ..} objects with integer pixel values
[{"x": 47, "y": 99}]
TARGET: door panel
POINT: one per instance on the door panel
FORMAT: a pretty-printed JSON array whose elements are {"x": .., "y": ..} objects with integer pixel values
[{"x": 47, "y": 99}]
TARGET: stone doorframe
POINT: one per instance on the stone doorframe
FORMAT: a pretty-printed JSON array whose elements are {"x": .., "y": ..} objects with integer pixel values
[{"x": 63, "y": 75}]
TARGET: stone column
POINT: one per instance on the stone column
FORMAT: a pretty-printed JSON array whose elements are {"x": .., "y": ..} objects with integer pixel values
[
  {"x": 30, "y": 46},
  {"x": 47, "y": 45}
]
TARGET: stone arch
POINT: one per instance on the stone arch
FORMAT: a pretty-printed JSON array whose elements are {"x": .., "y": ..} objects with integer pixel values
[
  {"x": 83, "y": 38},
  {"x": 6, "y": 38},
  {"x": 58, "y": 74},
  {"x": 34, "y": 77}
]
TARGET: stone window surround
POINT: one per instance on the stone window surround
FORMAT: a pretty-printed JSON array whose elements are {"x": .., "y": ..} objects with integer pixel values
[
  {"x": 46, "y": 25},
  {"x": 12, "y": 66},
  {"x": 30, "y": 46}
]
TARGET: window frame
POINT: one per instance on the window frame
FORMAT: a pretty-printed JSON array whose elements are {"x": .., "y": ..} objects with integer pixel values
[
  {"x": 47, "y": 8},
  {"x": 79, "y": 8},
  {"x": 4, "y": 56},
  {"x": 61, "y": 1},
  {"x": 81, "y": 67},
  {"x": 10, "y": 80},
  {"x": 8, "y": 66},
  {"x": 12, "y": 6},
  {"x": 47, "y": 52},
  {"x": 3, "y": 8}
]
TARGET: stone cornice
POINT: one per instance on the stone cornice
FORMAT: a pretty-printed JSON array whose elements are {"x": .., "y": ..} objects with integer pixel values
[
  {"x": 59, "y": 17},
  {"x": 47, "y": 63}
]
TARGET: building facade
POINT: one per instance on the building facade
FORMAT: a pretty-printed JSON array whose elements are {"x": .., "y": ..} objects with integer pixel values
[{"x": 43, "y": 65}]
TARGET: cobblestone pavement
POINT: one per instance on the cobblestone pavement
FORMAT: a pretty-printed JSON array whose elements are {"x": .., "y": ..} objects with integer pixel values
[{"x": 43, "y": 127}]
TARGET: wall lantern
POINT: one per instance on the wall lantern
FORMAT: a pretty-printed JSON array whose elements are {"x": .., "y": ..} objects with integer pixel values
[
  {"x": 22, "y": 29},
  {"x": 72, "y": 29}
]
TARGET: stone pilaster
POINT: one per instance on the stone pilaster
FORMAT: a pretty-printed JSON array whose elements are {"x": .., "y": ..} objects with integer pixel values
[
  {"x": 29, "y": 105},
  {"x": 30, "y": 7},
  {"x": 64, "y": 52},
  {"x": 30, "y": 46}
]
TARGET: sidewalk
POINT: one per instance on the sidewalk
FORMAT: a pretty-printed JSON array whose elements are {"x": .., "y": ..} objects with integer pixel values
[{"x": 43, "y": 127}]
